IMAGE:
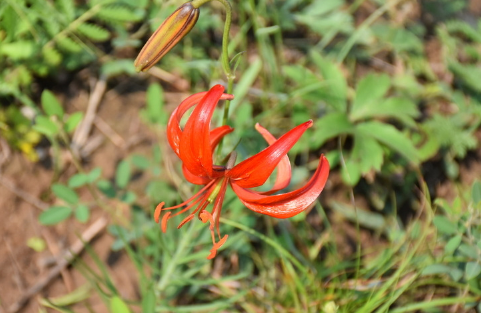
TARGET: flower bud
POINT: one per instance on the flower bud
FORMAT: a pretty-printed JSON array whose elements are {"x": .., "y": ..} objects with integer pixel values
[{"x": 173, "y": 29}]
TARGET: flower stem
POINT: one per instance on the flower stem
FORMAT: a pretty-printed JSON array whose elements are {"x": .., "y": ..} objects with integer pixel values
[
  {"x": 225, "y": 36},
  {"x": 224, "y": 60}
]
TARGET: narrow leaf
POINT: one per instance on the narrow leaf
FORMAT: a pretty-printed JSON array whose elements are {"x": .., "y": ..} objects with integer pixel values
[
  {"x": 117, "y": 305},
  {"x": 54, "y": 215},
  {"x": 50, "y": 104},
  {"x": 65, "y": 193},
  {"x": 122, "y": 175}
]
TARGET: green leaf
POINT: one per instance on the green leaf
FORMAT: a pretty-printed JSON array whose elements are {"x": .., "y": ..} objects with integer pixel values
[
  {"x": 73, "y": 121},
  {"x": 118, "y": 13},
  {"x": 436, "y": 269},
  {"x": 129, "y": 197},
  {"x": 67, "y": 8},
  {"x": 351, "y": 172},
  {"x": 469, "y": 251},
  {"x": 82, "y": 213},
  {"x": 452, "y": 244},
  {"x": 153, "y": 112},
  {"x": 148, "y": 302},
  {"x": 122, "y": 175},
  {"x": 370, "y": 89},
  {"x": 45, "y": 126},
  {"x": 17, "y": 50},
  {"x": 401, "y": 109},
  {"x": 367, "y": 152},
  {"x": 444, "y": 225},
  {"x": 10, "y": 20},
  {"x": 118, "y": 67},
  {"x": 106, "y": 188},
  {"x": 323, "y": 7},
  {"x": 140, "y": 161},
  {"x": 54, "y": 215},
  {"x": 472, "y": 270},
  {"x": 93, "y": 32},
  {"x": 430, "y": 146},
  {"x": 65, "y": 193},
  {"x": 37, "y": 244},
  {"x": 78, "y": 180},
  {"x": 51, "y": 55},
  {"x": 117, "y": 305},
  {"x": 330, "y": 126},
  {"x": 368, "y": 219},
  {"x": 68, "y": 44},
  {"x": 336, "y": 83},
  {"x": 468, "y": 73},
  {"x": 476, "y": 192},
  {"x": 391, "y": 137},
  {"x": 398, "y": 38},
  {"x": 50, "y": 104},
  {"x": 245, "y": 83},
  {"x": 94, "y": 174}
]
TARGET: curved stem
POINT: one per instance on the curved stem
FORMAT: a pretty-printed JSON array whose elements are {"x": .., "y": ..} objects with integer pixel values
[
  {"x": 224, "y": 59},
  {"x": 225, "y": 36}
]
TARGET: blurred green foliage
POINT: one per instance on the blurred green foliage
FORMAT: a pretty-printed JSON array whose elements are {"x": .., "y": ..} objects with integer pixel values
[{"x": 391, "y": 94}]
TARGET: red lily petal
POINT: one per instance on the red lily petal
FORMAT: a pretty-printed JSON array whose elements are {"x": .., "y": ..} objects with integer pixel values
[
  {"x": 195, "y": 149},
  {"x": 193, "y": 179},
  {"x": 255, "y": 170},
  {"x": 283, "y": 168},
  {"x": 288, "y": 204},
  {"x": 174, "y": 132},
  {"x": 217, "y": 134}
]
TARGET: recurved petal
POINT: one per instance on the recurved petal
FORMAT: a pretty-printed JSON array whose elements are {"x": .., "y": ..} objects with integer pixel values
[
  {"x": 288, "y": 204},
  {"x": 255, "y": 170},
  {"x": 217, "y": 134},
  {"x": 174, "y": 131},
  {"x": 195, "y": 148},
  {"x": 283, "y": 168},
  {"x": 193, "y": 179}
]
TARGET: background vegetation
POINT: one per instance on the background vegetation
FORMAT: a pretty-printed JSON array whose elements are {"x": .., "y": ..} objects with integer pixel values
[{"x": 393, "y": 87}]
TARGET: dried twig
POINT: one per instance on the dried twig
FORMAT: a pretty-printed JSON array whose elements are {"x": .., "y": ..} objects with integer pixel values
[
  {"x": 75, "y": 249},
  {"x": 109, "y": 132},
  {"x": 55, "y": 250},
  {"x": 179, "y": 83},
  {"x": 5, "y": 151},
  {"x": 23, "y": 194},
  {"x": 91, "y": 145},
  {"x": 81, "y": 134}
]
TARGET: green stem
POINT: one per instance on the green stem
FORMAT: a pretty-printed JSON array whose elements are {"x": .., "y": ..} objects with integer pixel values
[
  {"x": 360, "y": 30},
  {"x": 224, "y": 60},
  {"x": 169, "y": 271},
  {"x": 225, "y": 36}
]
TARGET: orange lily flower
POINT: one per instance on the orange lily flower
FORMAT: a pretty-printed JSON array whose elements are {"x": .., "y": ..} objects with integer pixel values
[{"x": 195, "y": 145}]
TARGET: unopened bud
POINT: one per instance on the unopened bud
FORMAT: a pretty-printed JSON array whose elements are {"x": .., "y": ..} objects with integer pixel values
[{"x": 173, "y": 29}]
